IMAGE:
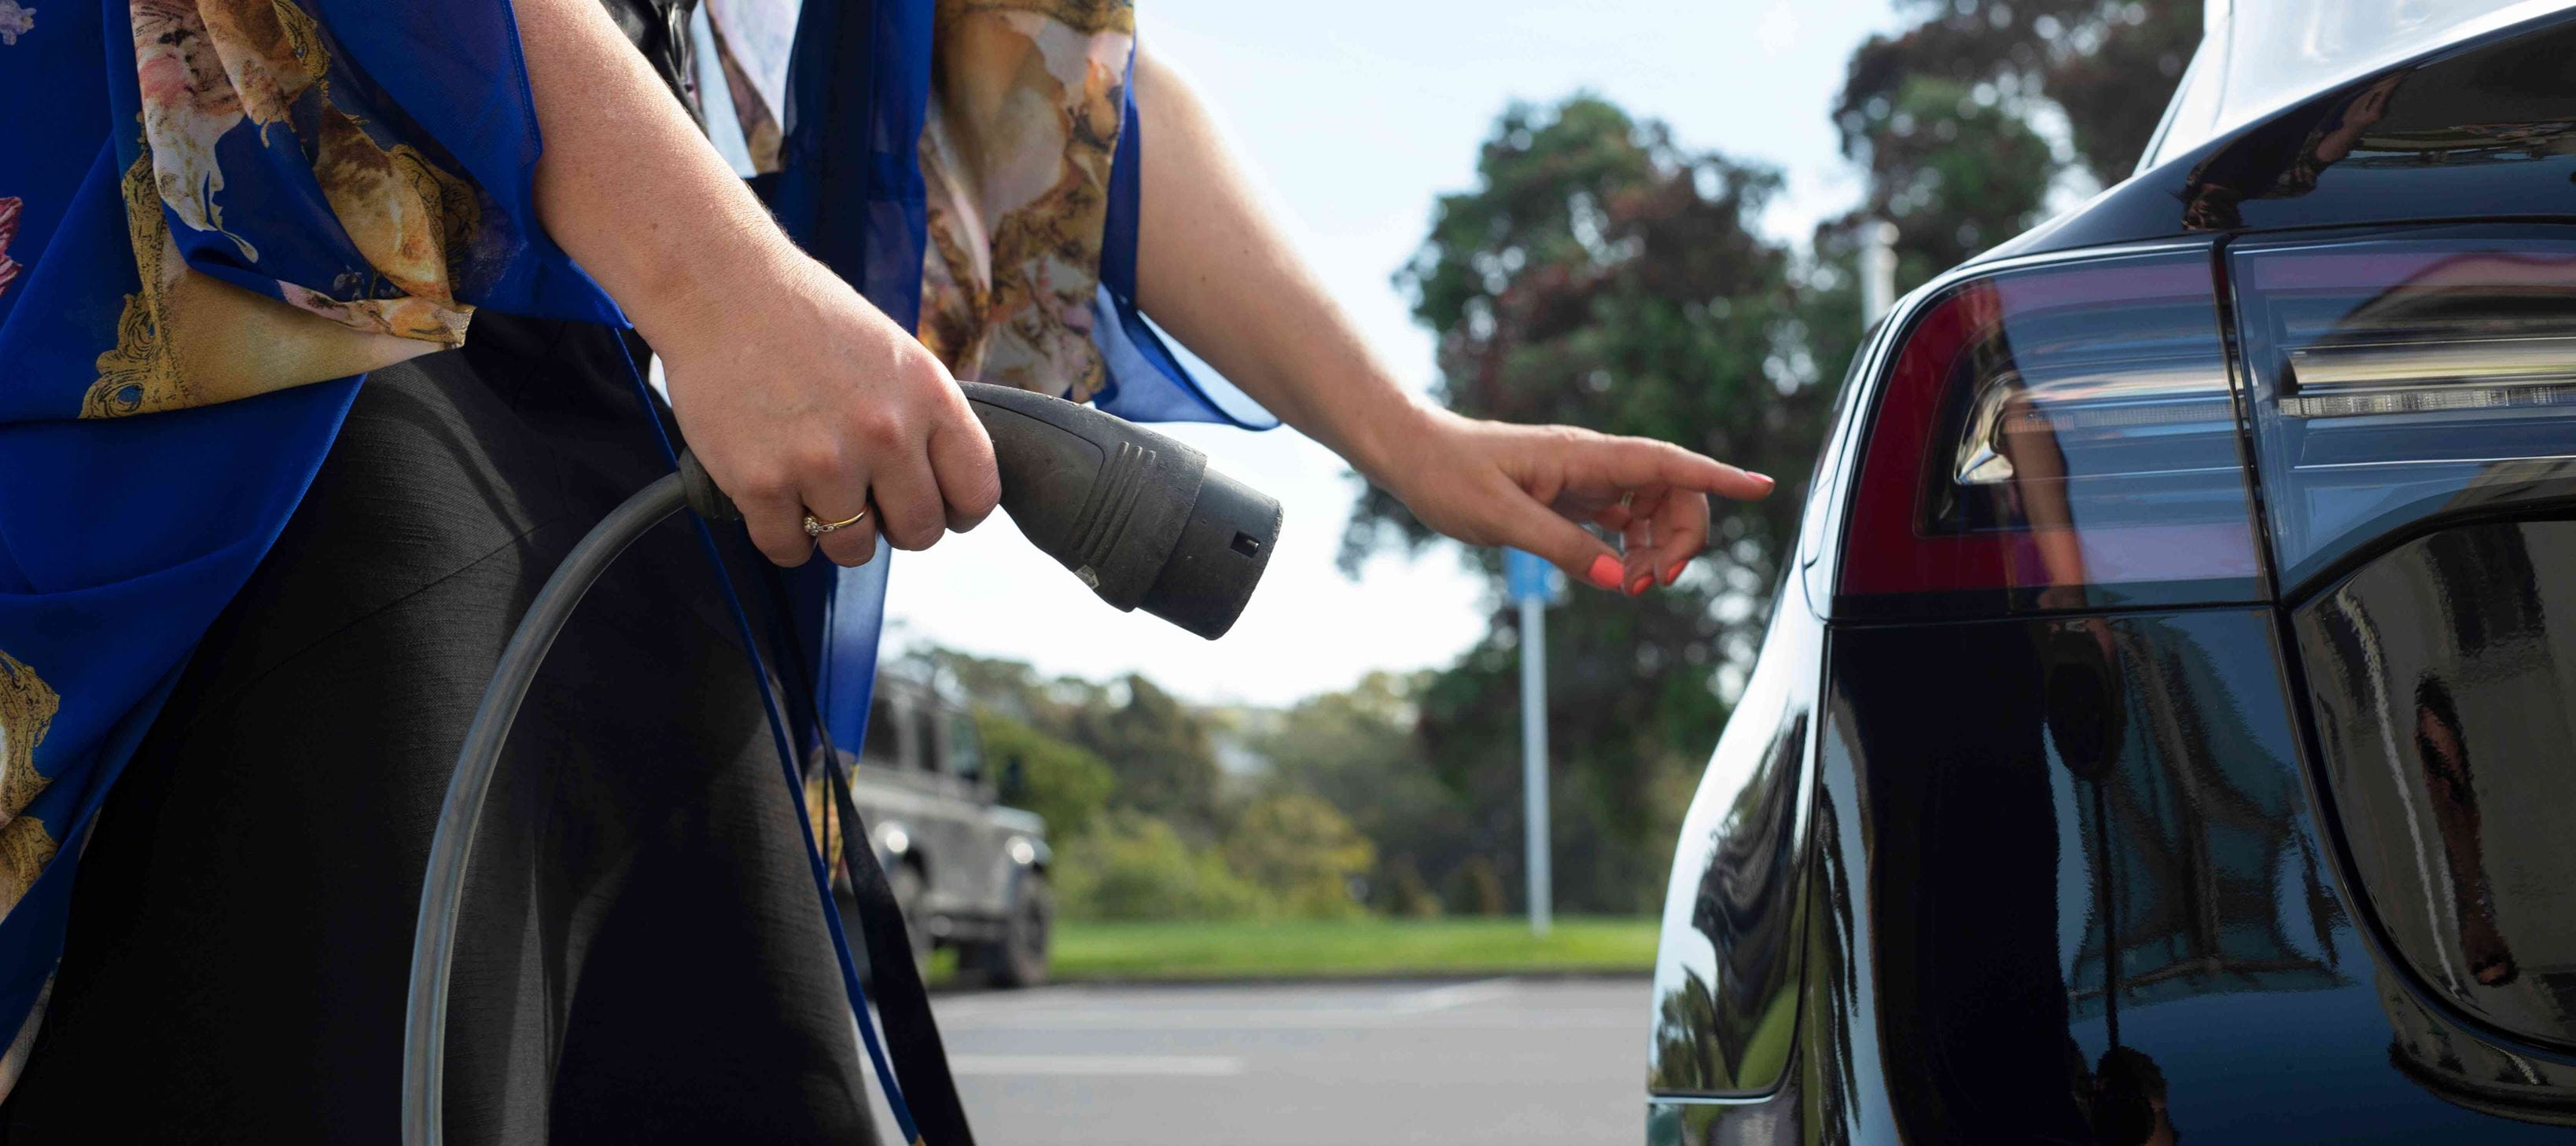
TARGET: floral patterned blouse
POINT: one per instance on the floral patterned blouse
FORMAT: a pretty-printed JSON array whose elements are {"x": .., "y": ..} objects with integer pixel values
[{"x": 217, "y": 215}]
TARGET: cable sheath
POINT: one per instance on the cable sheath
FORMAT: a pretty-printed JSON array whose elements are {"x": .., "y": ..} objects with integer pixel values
[{"x": 451, "y": 848}]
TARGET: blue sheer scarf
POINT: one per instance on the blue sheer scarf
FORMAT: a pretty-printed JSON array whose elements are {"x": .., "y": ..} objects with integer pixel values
[{"x": 146, "y": 465}]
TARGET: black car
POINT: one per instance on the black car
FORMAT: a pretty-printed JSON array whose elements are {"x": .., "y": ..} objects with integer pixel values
[{"x": 2168, "y": 725}]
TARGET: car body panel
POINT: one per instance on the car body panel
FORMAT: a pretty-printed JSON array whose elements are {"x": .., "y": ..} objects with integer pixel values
[
  {"x": 1999, "y": 799},
  {"x": 2482, "y": 130},
  {"x": 1965, "y": 867},
  {"x": 2443, "y": 719},
  {"x": 2256, "y": 55},
  {"x": 1726, "y": 972}
]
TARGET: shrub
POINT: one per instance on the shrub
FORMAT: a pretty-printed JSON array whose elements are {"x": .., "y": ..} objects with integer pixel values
[
  {"x": 1302, "y": 851},
  {"x": 1406, "y": 893},
  {"x": 1065, "y": 783},
  {"x": 1477, "y": 888},
  {"x": 1134, "y": 866}
]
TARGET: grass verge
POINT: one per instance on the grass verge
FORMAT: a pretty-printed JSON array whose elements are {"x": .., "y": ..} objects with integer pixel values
[{"x": 1313, "y": 949}]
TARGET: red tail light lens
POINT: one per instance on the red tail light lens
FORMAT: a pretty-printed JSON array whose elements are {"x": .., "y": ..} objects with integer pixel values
[
  {"x": 2399, "y": 381},
  {"x": 2060, "y": 437}
]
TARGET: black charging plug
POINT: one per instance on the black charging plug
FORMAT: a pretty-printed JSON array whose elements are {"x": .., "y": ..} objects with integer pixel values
[{"x": 1138, "y": 517}]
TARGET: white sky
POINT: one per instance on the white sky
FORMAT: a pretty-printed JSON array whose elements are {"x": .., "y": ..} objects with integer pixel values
[{"x": 1356, "y": 122}]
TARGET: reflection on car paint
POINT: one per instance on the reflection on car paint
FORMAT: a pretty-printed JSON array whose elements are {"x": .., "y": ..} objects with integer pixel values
[
  {"x": 2470, "y": 1072},
  {"x": 1726, "y": 975},
  {"x": 1993, "y": 814},
  {"x": 2487, "y": 131},
  {"x": 2444, "y": 723}
]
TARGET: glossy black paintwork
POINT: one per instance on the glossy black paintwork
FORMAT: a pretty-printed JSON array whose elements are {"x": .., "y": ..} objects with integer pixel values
[
  {"x": 1727, "y": 973},
  {"x": 2025, "y": 844},
  {"x": 2484, "y": 130},
  {"x": 2000, "y": 804},
  {"x": 2444, "y": 720}
]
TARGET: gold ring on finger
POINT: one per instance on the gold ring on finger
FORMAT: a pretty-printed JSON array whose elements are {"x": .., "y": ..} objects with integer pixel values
[{"x": 816, "y": 528}]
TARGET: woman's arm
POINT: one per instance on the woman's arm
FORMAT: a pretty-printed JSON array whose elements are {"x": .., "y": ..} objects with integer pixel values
[
  {"x": 1214, "y": 269},
  {"x": 795, "y": 392}
]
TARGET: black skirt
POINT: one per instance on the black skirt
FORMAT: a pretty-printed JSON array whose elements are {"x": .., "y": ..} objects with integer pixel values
[{"x": 642, "y": 958}]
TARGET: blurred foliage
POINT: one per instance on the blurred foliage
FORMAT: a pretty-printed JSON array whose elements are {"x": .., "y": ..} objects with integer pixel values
[
  {"x": 1407, "y": 895},
  {"x": 1098, "y": 761},
  {"x": 1943, "y": 116},
  {"x": 2107, "y": 66},
  {"x": 1290, "y": 856},
  {"x": 1303, "y": 852},
  {"x": 1136, "y": 867},
  {"x": 1477, "y": 888},
  {"x": 1357, "y": 751},
  {"x": 1157, "y": 749},
  {"x": 1955, "y": 169},
  {"x": 1066, "y": 783}
]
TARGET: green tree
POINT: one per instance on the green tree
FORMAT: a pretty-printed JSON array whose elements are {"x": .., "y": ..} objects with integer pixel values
[
  {"x": 2107, "y": 65},
  {"x": 1159, "y": 749},
  {"x": 1137, "y": 867},
  {"x": 1304, "y": 852},
  {"x": 1066, "y": 783},
  {"x": 1156, "y": 747},
  {"x": 1405, "y": 893},
  {"x": 1942, "y": 117},
  {"x": 1602, "y": 275},
  {"x": 1476, "y": 888},
  {"x": 1007, "y": 687},
  {"x": 1952, "y": 165},
  {"x": 1357, "y": 750}
]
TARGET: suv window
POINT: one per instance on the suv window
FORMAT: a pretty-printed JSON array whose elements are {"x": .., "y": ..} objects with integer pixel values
[
  {"x": 965, "y": 750},
  {"x": 884, "y": 738}
]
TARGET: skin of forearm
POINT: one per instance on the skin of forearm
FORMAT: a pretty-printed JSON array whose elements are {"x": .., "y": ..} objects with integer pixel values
[
  {"x": 629, "y": 187},
  {"x": 797, "y": 395},
  {"x": 1216, "y": 272},
  {"x": 675, "y": 239}
]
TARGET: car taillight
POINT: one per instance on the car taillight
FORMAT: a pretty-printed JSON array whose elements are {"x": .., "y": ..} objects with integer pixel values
[
  {"x": 2402, "y": 380},
  {"x": 2058, "y": 437}
]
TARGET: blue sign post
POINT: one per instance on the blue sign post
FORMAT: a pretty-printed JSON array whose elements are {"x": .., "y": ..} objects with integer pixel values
[{"x": 1534, "y": 585}]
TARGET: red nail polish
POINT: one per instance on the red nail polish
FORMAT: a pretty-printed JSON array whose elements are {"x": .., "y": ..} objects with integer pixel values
[
  {"x": 1675, "y": 573},
  {"x": 1637, "y": 587},
  {"x": 1604, "y": 572}
]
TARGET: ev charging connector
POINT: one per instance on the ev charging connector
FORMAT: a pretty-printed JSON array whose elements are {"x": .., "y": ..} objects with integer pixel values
[{"x": 1138, "y": 517}]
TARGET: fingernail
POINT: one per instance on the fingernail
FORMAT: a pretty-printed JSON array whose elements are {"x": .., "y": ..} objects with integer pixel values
[
  {"x": 1638, "y": 586},
  {"x": 1604, "y": 572},
  {"x": 1675, "y": 573},
  {"x": 1763, "y": 478}
]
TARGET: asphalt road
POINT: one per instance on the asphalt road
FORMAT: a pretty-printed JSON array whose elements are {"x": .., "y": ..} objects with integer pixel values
[{"x": 1497, "y": 1062}]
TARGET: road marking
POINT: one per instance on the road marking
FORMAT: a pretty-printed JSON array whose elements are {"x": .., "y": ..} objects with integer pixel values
[
  {"x": 1005, "y": 1002},
  {"x": 1097, "y": 1065},
  {"x": 1453, "y": 995}
]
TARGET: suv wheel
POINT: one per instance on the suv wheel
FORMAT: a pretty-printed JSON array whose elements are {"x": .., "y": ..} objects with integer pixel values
[{"x": 1019, "y": 958}]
